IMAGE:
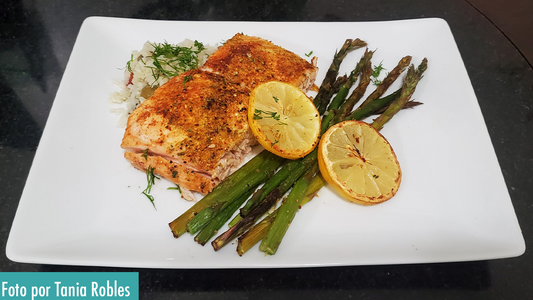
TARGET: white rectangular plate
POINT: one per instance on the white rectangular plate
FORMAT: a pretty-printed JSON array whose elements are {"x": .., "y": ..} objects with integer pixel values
[{"x": 82, "y": 204}]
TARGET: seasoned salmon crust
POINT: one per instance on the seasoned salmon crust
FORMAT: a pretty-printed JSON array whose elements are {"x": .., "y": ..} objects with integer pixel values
[
  {"x": 194, "y": 129},
  {"x": 250, "y": 61}
]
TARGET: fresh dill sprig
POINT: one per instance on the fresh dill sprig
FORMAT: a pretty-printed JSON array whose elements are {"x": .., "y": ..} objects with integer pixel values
[
  {"x": 150, "y": 197},
  {"x": 128, "y": 64},
  {"x": 145, "y": 154},
  {"x": 260, "y": 114},
  {"x": 376, "y": 71},
  {"x": 186, "y": 79},
  {"x": 150, "y": 177},
  {"x": 170, "y": 60},
  {"x": 199, "y": 46},
  {"x": 177, "y": 187}
]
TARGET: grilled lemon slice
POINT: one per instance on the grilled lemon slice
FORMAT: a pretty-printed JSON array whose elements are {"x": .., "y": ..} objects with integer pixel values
[
  {"x": 283, "y": 119},
  {"x": 359, "y": 163}
]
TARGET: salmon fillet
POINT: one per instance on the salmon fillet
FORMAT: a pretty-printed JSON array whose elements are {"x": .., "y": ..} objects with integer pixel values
[
  {"x": 194, "y": 129},
  {"x": 190, "y": 129}
]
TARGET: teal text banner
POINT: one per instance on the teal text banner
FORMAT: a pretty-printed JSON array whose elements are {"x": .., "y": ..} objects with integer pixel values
[{"x": 65, "y": 285}]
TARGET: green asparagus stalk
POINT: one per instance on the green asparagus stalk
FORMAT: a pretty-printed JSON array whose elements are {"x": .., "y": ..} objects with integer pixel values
[
  {"x": 293, "y": 167},
  {"x": 296, "y": 172},
  {"x": 286, "y": 213},
  {"x": 260, "y": 194},
  {"x": 259, "y": 231},
  {"x": 408, "y": 88},
  {"x": 220, "y": 219},
  {"x": 253, "y": 236},
  {"x": 271, "y": 184},
  {"x": 371, "y": 107},
  {"x": 389, "y": 79},
  {"x": 254, "y": 178},
  {"x": 247, "y": 221},
  {"x": 340, "y": 98},
  {"x": 352, "y": 78},
  {"x": 232, "y": 183},
  {"x": 409, "y": 104},
  {"x": 325, "y": 91},
  {"x": 356, "y": 95},
  {"x": 203, "y": 217},
  {"x": 262, "y": 207}
]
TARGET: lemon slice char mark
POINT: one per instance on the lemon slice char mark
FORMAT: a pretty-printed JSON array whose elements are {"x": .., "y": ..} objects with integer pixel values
[
  {"x": 359, "y": 163},
  {"x": 283, "y": 119}
]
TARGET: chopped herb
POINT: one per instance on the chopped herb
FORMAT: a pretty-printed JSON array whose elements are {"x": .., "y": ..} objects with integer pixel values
[
  {"x": 275, "y": 99},
  {"x": 309, "y": 54},
  {"x": 376, "y": 71},
  {"x": 128, "y": 64},
  {"x": 267, "y": 114},
  {"x": 199, "y": 46},
  {"x": 150, "y": 197},
  {"x": 177, "y": 187},
  {"x": 186, "y": 79},
  {"x": 145, "y": 154},
  {"x": 170, "y": 60},
  {"x": 150, "y": 177}
]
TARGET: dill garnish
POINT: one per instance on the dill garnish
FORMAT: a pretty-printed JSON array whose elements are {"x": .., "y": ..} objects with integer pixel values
[
  {"x": 177, "y": 187},
  {"x": 145, "y": 154},
  {"x": 150, "y": 177},
  {"x": 170, "y": 60},
  {"x": 376, "y": 71},
  {"x": 128, "y": 64},
  {"x": 150, "y": 197},
  {"x": 267, "y": 114},
  {"x": 186, "y": 79}
]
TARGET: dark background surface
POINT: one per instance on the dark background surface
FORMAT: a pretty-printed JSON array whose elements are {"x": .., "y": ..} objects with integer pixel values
[{"x": 37, "y": 37}]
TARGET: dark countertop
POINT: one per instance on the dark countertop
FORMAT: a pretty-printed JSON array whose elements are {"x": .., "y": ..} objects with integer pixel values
[{"x": 36, "y": 39}]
